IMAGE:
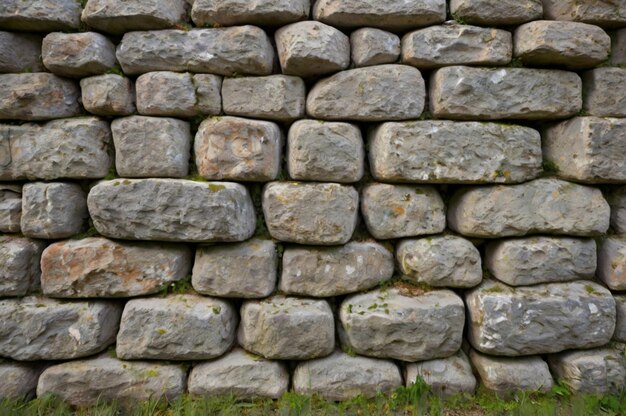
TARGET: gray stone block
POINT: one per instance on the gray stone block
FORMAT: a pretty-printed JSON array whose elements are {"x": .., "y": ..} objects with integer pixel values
[
  {"x": 618, "y": 48},
  {"x": 108, "y": 95},
  {"x": 612, "y": 262},
  {"x": 10, "y": 208},
  {"x": 19, "y": 265},
  {"x": 620, "y": 325},
  {"x": 40, "y": 15},
  {"x": 20, "y": 52},
  {"x": 496, "y": 13},
  {"x": 607, "y": 14},
  {"x": 602, "y": 92},
  {"x": 237, "y": 12},
  {"x": 370, "y": 46},
  {"x": 18, "y": 381},
  {"x": 445, "y": 376},
  {"x": 78, "y": 55},
  {"x": 617, "y": 200}
]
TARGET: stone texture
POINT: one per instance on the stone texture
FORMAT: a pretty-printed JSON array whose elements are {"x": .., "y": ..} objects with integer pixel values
[
  {"x": 440, "y": 151},
  {"x": 341, "y": 377},
  {"x": 456, "y": 44},
  {"x": 312, "y": 48},
  {"x": 77, "y": 54},
  {"x": 440, "y": 261},
  {"x": 38, "y": 96},
  {"x": 172, "y": 210},
  {"x": 325, "y": 152},
  {"x": 38, "y": 328},
  {"x": 533, "y": 260},
  {"x": 370, "y": 46},
  {"x": 602, "y": 92},
  {"x": 375, "y": 323},
  {"x": 235, "y": 148},
  {"x": 395, "y": 211},
  {"x": 287, "y": 328},
  {"x": 240, "y": 373},
  {"x": 618, "y": 48},
  {"x": 208, "y": 93},
  {"x": 19, "y": 265},
  {"x": 617, "y": 199},
  {"x": 539, "y": 319},
  {"x": 18, "y": 380},
  {"x": 546, "y": 205},
  {"x": 445, "y": 376},
  {"x": 20, "y": 52},
  {"x": 10, "y": 208},
  {"x": 383, "y": 92},
  {"x": 460, "y": 92},
  {"x": 151, "y": 146},
  {"x": 620, "y": 326},
  {"x": 240, "y": 12},
  {"x": 225, "y": 51},
  {"x": 602, "y": 13},
  {"x": 53, "y": 210},
  {"x": 396, "y": 15},
  {"x": 177, "y": 327},
  {"x": 496, "y": 13},
  {"x": 73, "y": 148},
  {"x": 108, "y": 95},
  {"x": 275, "y": 97},
  {"x": 612, "y": 262},
  {"x": 241, "y": 270},
  {"x": 334, "y": 271},
  {"x": 98, "y": 267},
  {"x": 105, "y": 379},
  {"x": 310, "y": 213},
  {"x": 571, "y": 44},
  {"x": 39, "y": 15}
]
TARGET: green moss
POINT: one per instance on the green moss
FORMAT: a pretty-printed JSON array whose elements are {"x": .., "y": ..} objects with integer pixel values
[
  {"x": 494, "y": 289},
  {"x": 215, "y": 187},
  {"x": 150, "y": 373},
  {"x": 216, "y": 310},
  {"x": 161, "y": 331},
  {"x": 549, "y": 166}
]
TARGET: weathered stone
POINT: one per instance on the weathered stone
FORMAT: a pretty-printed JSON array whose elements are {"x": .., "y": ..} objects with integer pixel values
[
  {"x": 104, "y": 379},
  {"x": 383, "y": 92},
  {"x": 533, "y": 260},
  {"x": 242, "y": 374},
  {"x": 539, "y": 319},
  {"x": 334, "y": 271},
  {"x": 440, "y": 261},
  {"x": 396, "y": 15},
  {"x": 151, "y": 146},
  {"x": 461, "y": 92},
  {"x": 19, "y": 265},
  {"x": 38, "y": 96},
  {"x": 70, "y": 148},
  {"x": 310, "y": 213},
  {"x": 436, "y": 151},
  {"x": 495, "y": 13},
  {"x": 39, "y": 15},
  {"x": 275, "y": 97},
  {"x": 119, "y": 17},
  {"x": 20, "y": 52},
  {"x": 53, "y": 210},
  {"x": 208, "y": 93},
  {"x": 18, "y": 380},
  {"x": 456, "y": 44},
  {"x": 325, "y": 152},
  {"x": 238, "y": 12},
  {"x": 445, "y": 376},
  {"x": 172, "y": 210},
  {"x": 612, "y": 262},
  {"x": 78, "y": 54},
  {"x": 108, "y": 95},
  {"x": 10, "y": 208},
  {"x": 375, "y": 323},
  {"x": 341, "y": 377},
  {"x": 38, "y": 328},
  {"x": 617, "y": 199},
  {"x": 369, "y": 46},
  {"x": 311, "y": 49},
  {"x": 98, "y": 267},
  {"x": 240, "y": 149},
  {"x": 587, "y": 149},
  {"x": 242, "y": 270},
  {"x": 602, "y": 13},
  {"x": 602, "y": 92},
  {"x": 395, "y": 211},
  {"x": 545, "y": 205},
  {"x": 618, "y": 48},
  {"x": 287, "y": 328},
  {"x": 224, "y": 51},
  {"x": 620, "y": 326}
]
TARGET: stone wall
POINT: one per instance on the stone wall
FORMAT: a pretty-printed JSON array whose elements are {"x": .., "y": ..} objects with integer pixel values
[{"x": 246, "y": 197}]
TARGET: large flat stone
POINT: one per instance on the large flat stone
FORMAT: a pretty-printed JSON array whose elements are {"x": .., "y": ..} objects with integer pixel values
[
  {"x": 445, "y": 376},
  {"x": 78, "y": 55},
  {"x": 496, "y": 13},
  {"x": 20, "y": 52},
  {"x": 620, "y": 325},
  {"x": 237, "y": 12},
  {"x": 18, "y": 381},
  {"x": 10, "y": 208},
  {"x": 19, "y": 265},
  {"x": 40, "y": 15},
  {"x": 108, "y": 95},
  {"x": 370, "y": 46},
  {"x": 612, "y": 262},
  {"x": 617, "y": 200},
  {"x": 607, "y": 14},
  {"x": 602, "y": 92}
]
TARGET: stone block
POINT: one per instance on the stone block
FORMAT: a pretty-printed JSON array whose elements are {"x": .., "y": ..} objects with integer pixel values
[
  {"x": 617, "y": 200},
  {"x": 496, "y": 13},
  {"x": 19, "y": 265},
  {"x": 606, "y": 14},
  {"x": 77, "y": 55},
  {"x": 40, "y": 15},
  {"x": 10, "y": 208},
  {"x": 108, "y": 95},
  {"x": 602, "y": 92},
  {"x": 20, "y": 52},
  {"x": 618, "y": 48},
  {"x": 18, "y": 381},
  {"x": 237, "y": 12},
  {"x": 370, "y": 46},
  {"x": 612, "y": 262},
  {"x": 620, "y": 325},
  {"x": 445, "y": 376},
  {"x": 208, "y": 93}
]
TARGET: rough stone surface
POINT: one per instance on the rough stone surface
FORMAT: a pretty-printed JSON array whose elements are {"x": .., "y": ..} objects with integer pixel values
[
  {"x": 235, "y": 148},
  {"x": 103, "y": 378},
  {"x": 383, "y": 92},
  {"x": 240, "y": 12},
  {"x": 433, "y": 151},
  {"x": 287, "y": 328},
  {"x": 461, "y": 92},
  {"x": 108, "y": 95},
  {"x": 620, "y": 326},
  {"x": 312, "y": 48},
  {"x": 38, "y": 328},
  {"x": 178, "y": 327},
  {"x": 456, "y": 44},
  {"x": 602, "y": 13},
  {"x": 370, "y": 46},
  {"x": 618, "y": 48},
  {"x": 341, "y": 377},
  {"x": 617, "y": 199},
  {"x": 602, "y": 92},
  {"x": 38, "y": 96},
  {"x": 496, "y": 13},
  {"x": 20, "y": 52},
  {"x": 325, "y": 152},
  {"x": 151, "y": 146},
  {"x": 10, "y": 208},
  {"x": 39, "y": 15},
  {"x": 445, "y": 376},
  {"x": 533, "y": 260},
  {"x": 547, "y": 205},
  {"x": 395, "y": 211},
  {"x": 612, "y": 262},
  {"x": 310, "y": 213},
  {"x": 53, "y": 210},
  {"x": 78, "y": 54},
  {"x": 98, "y": 267},
  {"x": 334, "y": 271},
  {"x": 19, "y": 380},
  {"x": 242, "y": 374},
  {"x": 225, "y": 51},
  {"x": 19, "y": 265},
  {"x": 440, "y": 261},
  {"x": 172, "y": 210},
  {"x": 242, "y": 270},
  {"x": 375, "y": 323},
  {"x": 208, "y": 93},
  {"x": 539, "y": 319}
]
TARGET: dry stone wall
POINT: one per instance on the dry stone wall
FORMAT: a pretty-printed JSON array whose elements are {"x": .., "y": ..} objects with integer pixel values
[{"x": 333, "y": 196}]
